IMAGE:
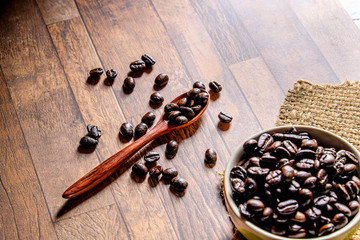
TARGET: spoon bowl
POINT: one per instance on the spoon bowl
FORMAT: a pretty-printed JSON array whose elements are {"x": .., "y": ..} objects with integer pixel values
[{"x": 110, "y": 165}]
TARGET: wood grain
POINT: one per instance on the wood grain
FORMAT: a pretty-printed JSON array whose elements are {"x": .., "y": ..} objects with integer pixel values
[{"x": 57, "y": 10}]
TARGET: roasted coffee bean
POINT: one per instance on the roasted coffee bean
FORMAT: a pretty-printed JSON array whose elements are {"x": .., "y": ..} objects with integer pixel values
[
  {"x": 274, "y": 146},
  {"x": 137, "y": 65},
  {"x": 354, "y": 207},
  {"x": 140, "y": 130},
  {"x": 326, "y": 188},
  {"x": 278, "y": 230},
  {"x": 156, "y": 98},
  {"x": 356, "y": 180},
  {"x": 342, "y": 192},
  {"x": 161, "y": 80},
  {"x": 238, "y": 172},
  {"x": 250, "y": 186},
  {"x": 225, "y": 117},
  {"x": 129, "y": 84},
  {"x": 265, "y": 141},
  {"x": 151, "y": 157},
  {"x": 321, "y": 201},
  {"x": 155, "y": 171},
  {"x": 282, "y": 152},
  {"x": 169, "y": 173},
  {"x": 296, "y": 139},
  {"x": 250, "y": 146},
  {"x": 352, "y": 188},
  {"x": 193, "y": 93},
  {"x": 148, "y": 119},
  {"x": 274, "y": 177},
  {"x": 326, "y": 229},
  {"x": 180, "y": 120},
  {"x": 313, "y": 213},
  {"x": 339, "y": 220},
  {"x": 171, "y": 148},
  {"x": 309, "y": 144},
  {"x": 287, "y": 207},
  {"x": 284, "y": 162},
  {"x": 88, "y": 142},
  {"x": 215, "y": 87},
  {"x": 305, "y": 153},
  {"x": 266, "y": 214},
  {"x": 299, "y": 234},
  {"x": 187, "y": 112},
  {"x": 327, "y": 160},
  {"x": 322, "y": 176},
  {"x": 351, "y": 157},
  {"x": 196, "y": 108},
  {"x": 202, "y": 98},
  {"x": 238, "y": 186},
  {"x": 139, "y": 169},
  {"x": 342, "y": 208},
  {"x": 294, "y": 187},
  {"x": 243, "y": 211},
  {"x": 149, "y": 61},
  {"x": 258, "y": 171},
  {"x": 254, "y": 161},
  {"x": 310, "y": 182},
  {"x": 182, "y": 102},
  {"x": 169, "y": 107},
  {"x": 111, "y": 74},
  {"x": 255, "y": 205},
  {"x": 96, "y": 72},
  {"x": 299, "y": 217},
  {"x": 349, "y": 168},
  {"x": 287, "y": 173},
  {"x": 210, "y": 156},
  {"x": 199, "y": 84},
  {"x": 305, "y": 197},
  {"x": 305, "y": 164},
  {"x": 302, "y": 175},
  {"x": 173, "y": 115},
  {"x": 178, "y": 184},
  {"x": 127, "y": 130},
  {"x": 291, "y": 147},
  {"x": 93, "y": 131}
]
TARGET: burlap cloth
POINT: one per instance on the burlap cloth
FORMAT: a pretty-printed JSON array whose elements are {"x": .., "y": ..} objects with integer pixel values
[{"x": 335, "y": 108}]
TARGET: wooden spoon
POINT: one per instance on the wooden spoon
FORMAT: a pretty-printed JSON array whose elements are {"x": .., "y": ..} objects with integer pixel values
[{"x": 106, "y": 168}]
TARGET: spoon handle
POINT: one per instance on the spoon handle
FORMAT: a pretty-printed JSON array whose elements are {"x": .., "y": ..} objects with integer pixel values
[{"x": 106, "y": 168}]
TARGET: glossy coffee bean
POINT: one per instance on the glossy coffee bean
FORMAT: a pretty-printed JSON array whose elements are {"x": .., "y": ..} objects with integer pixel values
[
  {"x": 139, "y": 169},
  {"x": 149, "y": 61},
  {"x": 238, "y": 186},
  {"x": 250, "y": 146},
  {"x": 225, "y": 117},
  {"x": 255, "y": 205},
  {"x": 182, "y": 102},
  {"x": 173, "y": 115},
  {"x": 151, "y": 157},
  {"x": 250, "y": 185},
  {"x": 202, "y": 98},
  {"x": 210, "y": 156},
  {"x": 287, "y": 207},
  {"x": 305, "y": 153},
  {"x": 179, "y": 184},
  {"x": 238, "y": 172},
  {"x": 155, "y": 171},
  {"x": 339, "y": 220},
  {"x": 96, "y": 72},
  {"x": 299, "y": 217},
  {"x": 274, "y": 177},
  {"x": 111, "y": 74},
  {"x": 187, "y": 112},
  {"x": 170, "y": 107},
  {"x": 287, "y": 173},
  {"x": 291, "y": 147},
  {"x": 309, "y": 144},
  {"x": 193, "y": 93},
  {"x": 88, "y": 142},
  {"x": 199, "y": 84},
  {"x": 215, "y": 87},
  {"x": 265, "y": 141},
  {"x": 129, "y": 84},
  {"x": 180, "y": 120},
  {"x": 342, "y": 208},
  {"x": 305, "y": 197},
  {"x": 93, "y": 131},
  {"x": 161, "y": 80},
  {"x": 127, "y": 130},
  {"x": 196, "y": 108},
  {"x": 354, "y": 207},
  {"x": 169, "y": 173},
  {"x": 156, "y": 98},
  {"x": 313, "y": 213},
  {"x": 140, "y": 130},
  {"x": 171, "y": 148},
  {"x": 137, "y": 66},
  {"x": 326, "y": 229},
  {"x": 148, "y": 119},
  {"x": 258, "y": 171}
]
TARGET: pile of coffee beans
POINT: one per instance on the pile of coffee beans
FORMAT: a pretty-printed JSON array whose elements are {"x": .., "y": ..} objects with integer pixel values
[
  {"x": 291, "y": 186},
  {"x": 90, "y": 141},
  {"x": 187, "y": 107}
]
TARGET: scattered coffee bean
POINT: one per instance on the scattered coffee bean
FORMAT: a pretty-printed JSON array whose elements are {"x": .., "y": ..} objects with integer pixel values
[
  {"x": 151, "y": 157},
  {"x": 225, "y": 117},
  {"x": 210, "y": 156},
  {"x": 215, "y": 87},
  {"x": 111, "y": 74},
  {"x": 200, "y": 85},
  {"x": 127, "y": 130},
  {"x": 156, "y": 98},
  {"x": 88, "y": 142},
  {"x": 178, "y": 184},
  {"x": 96, "y": 72},
  {"x": 155, "y": 171},
  {"x": 148, "y": 119},
  {"x": 169, "y": 173},
  {"x": 171, "y": 149},
  {"x": 137, "y": 66},
  {"x": 129, "y": 84},
  {"x": 93, "y": 131},
  {"x": 161, "y": 80},
  {"x": 139, "y": 169},
  {"x": 149, "y": 61},
  {"x": 140, "y": 130}
]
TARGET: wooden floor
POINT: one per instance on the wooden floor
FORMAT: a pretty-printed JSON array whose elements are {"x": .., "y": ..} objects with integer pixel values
[{"x": 256, "y": 49}]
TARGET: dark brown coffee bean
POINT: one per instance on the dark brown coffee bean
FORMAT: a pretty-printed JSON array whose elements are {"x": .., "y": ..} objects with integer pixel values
[
  {"x": 287, "y": 207},
  {"x": 352, "y": 188},
  {"x": 210, "y": 156},
  {"x": 250, "y": 146},
  {"x": 339, "y": 220},
  {"x": 180, "y": 120},
  {"x": 202, "y": 98},
  {"x": 310, "y": 182},
  {"x": 137, "y": 66},
  {"x": 265, "y": 141},
  {"x": 322, "y": 176},
  {"x": 139, "y": 169},
  {"x": 254, "y": 161},
  {"x": 173, "y": 115},
  {"x": 225, "y": 117},
  {"x": 215, "y": 87},
  {"x": 305, "y": 197},
  {"x": 93, "y": 131},
  {"x": 309, "y": 144},
  {"x": 255, "y": 205},
  {"x": 182, "y": 102},
  {"x": 327, "y": 160},
  {"x": 356, "y": 180},
  {"x": 129, "y": 84},
  {"x": 127, "y": 130},
  {"x": 313, "y": 213},
  {"x": 266, "y": 214},
  {"x": 274, "y": 177},
  {"x": 291, "y": 147},
  {"x": 354, "y": 207},
  {"x": 258, "y": 171},
  {"x": 321, "y": 201},
  {"x": 299, "y": 217},
  {"x": 169, "y": 173},
  {"x": 244, "y": 212},
  {"x": 278, "y": 230},
  {"x": 155, "y": 171},
  {"x": 342, "y": 192},
  {"x": 302, "y": 175},
  {"x": 96, "y": 72},
  {"x": 349, "y": 168},
  {"x": 193, "y": 93},
  {"x": 285, "y": 162},
  {"x": 151, "y": 157},
  {"x": 196, "y": 108},
  {"x": 140, "y": 130},
  {"x": 171, "y": 148},
  {"x": 88, "y": 142},
  {"x": 169, "y": 107},
  {"x": 287, "y": 173},
  {"x": 187, "y": 112},
  {"x": 342, "y": 208},
  {"x": 299, "y": 234},
  {"x": 296, "y": 139},
  {"x": 149, "y": 61},
  {"x": 326, "y": 229},
  {"x": 238, "y": 172},
  {"x": 282, "y": 152},
  {"x": 178, "y": 184},
  {"x": 274, "y": 146},
  {"x": 148, "y": 119},
  {"x": 156, "y": 98},
  {"x": 161, "y": 80},
  {"x": 351, "y": 157},
  {"x": 305, "y": 164},
  {"x": 199, "y": 84},
  {"x": 305, "y": 153},
  {"x": 111, "y": 74},
  {"x": 238, "y": 186}
]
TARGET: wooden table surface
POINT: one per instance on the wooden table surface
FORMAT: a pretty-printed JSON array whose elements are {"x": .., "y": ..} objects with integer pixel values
[{"x": 256, "y": 49}]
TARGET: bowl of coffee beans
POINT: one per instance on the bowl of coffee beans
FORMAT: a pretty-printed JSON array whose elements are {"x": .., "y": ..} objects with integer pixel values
[{"x": 294, "y": 182}]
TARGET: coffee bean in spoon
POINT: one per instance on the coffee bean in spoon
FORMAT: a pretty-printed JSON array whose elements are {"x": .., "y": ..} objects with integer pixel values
[{"x": 199, "y": 84}]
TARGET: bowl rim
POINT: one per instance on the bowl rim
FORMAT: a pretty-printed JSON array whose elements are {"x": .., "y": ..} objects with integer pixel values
[{"x": 234, "y": 158}]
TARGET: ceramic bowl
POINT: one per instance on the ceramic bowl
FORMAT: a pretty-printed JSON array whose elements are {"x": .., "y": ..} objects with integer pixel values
[{"x": 253, "y": 232}]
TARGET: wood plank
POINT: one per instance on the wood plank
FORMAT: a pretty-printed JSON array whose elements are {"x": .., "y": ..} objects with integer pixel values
[
  {"x": 78, "y": 55},
  {"x": 284, "y": 43},
  {"x": 50, "y": 119},
  {"x": 57, "y": 10},
  {"x": 335, "y": 34},
  {"x": 264, "y": 101},
  {"x": 21, "y": 197},
  {"x": 102, "y": 223}
]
